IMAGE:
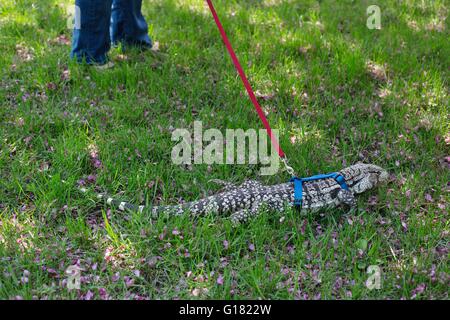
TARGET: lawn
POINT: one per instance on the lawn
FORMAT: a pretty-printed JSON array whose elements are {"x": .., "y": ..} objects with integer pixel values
[{"x": 337, "y": 91}]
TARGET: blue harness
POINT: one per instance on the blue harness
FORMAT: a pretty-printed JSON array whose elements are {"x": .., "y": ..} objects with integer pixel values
[{"x": 298, "y": 184}]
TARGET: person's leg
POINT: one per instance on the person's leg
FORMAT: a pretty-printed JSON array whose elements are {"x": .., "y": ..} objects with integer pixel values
[
  {"x": 128, "y": 25},
  {"x": 92, "y": 41}
]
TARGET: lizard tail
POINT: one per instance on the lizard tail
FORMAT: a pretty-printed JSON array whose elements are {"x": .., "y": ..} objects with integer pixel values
[
  {"x": 122, "y": 205},
  {"x": 154, "y": 211}
]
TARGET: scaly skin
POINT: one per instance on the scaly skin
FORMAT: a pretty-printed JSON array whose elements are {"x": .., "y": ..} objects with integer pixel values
[{"x": 246, "y": 200}]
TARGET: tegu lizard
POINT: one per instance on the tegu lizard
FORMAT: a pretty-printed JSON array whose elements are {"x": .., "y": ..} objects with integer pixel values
[{"x": 245, "y": 201}]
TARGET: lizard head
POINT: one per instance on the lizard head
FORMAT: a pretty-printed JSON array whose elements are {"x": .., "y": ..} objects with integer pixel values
[{"x": 361, "y": 177}]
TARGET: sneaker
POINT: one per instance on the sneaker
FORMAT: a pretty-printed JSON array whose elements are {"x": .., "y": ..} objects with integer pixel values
[
  {"x": 106, "y": 66},
  {"x": 154, "y": 51}
]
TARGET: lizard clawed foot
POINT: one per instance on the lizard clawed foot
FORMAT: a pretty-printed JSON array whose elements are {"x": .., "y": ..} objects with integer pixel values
[{"x": 239, "y": 217}]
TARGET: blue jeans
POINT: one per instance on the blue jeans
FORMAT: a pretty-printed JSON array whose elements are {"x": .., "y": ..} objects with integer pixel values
[{"x": 104, "y": 21}]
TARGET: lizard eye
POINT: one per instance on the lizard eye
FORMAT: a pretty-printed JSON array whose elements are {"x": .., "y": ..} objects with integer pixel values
[{"x": 373, "y": 178}]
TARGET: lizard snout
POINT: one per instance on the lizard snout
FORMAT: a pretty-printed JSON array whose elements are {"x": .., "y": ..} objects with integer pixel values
[{"x": 384, "y": 176}]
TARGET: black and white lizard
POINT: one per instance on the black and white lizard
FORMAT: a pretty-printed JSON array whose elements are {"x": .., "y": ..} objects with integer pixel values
[{"x": 246, "y": 200}]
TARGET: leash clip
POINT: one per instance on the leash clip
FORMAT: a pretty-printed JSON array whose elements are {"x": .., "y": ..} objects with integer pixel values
[{"x": 287, "y": 167}]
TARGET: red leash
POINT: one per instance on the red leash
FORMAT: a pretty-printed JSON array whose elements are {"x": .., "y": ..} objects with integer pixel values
[{"x": 245, "y": 81}]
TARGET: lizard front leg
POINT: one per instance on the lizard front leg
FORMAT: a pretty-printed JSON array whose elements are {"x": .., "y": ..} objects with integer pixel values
[
  {"x": 347, "y": 197},
  {"x": 251, "y": 184}
]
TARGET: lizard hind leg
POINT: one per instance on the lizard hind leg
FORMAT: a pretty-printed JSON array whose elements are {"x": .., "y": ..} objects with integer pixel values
[
  {"x": 239, "y": 217},
  {"x": 244, "y": 215},
  {"x": 227, "y": 186}
]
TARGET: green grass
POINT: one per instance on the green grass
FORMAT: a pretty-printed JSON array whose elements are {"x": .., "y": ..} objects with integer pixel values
[{"x": 312, "y": 55}]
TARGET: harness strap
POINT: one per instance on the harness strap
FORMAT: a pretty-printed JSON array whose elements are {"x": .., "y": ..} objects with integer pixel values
[{"x": 298, "y": 184}]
